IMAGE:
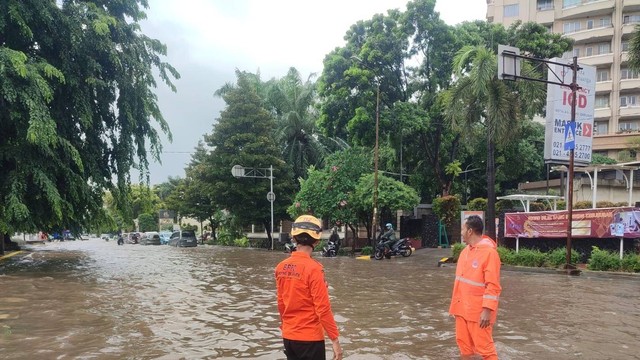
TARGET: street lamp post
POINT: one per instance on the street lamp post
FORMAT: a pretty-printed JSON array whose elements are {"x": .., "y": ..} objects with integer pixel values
[
  {"x": 238, "y": 171},
  {"x": 466, "y": 191}
]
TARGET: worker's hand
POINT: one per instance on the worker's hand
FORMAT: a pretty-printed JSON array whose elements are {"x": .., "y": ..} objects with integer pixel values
[
  {"x": 485, "y": 318},
  {"x": 337, "y": 349}
]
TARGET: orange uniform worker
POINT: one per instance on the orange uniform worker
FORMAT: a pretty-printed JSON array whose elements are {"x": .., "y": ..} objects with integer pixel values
[
  {"x": 303, "y": 297},
  {"x": 476, "y": 292}
]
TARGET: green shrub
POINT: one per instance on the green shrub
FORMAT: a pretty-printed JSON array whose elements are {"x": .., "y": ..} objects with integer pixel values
[
  {"x": 447, "y": 208},
  {"x": 622, "y": 204},
  {"x": 241, "y": 242},
  {"x": 631, "y": 263},
  {"x": 321, "y": 245},
  {"x": 529, "y": 257},
  {"x": 456, "y": 249},
  {"x": 559, "y": 257},
  {"x": 537, "y": 206},
  {"x": 603, "y": 260},
  {"x": 582, "y": 205},
  {"x": 561, "y": 205},
  {"x": 367, "y": 250},
  {"x": 343, "y": 252},
  {"x": 226, "y": 238},
  {"x": 504, "y": 205},
  {"x": 506, "y": 255},
  {"x": 477, "y": 204},
  {"x": 605, "y": 204}
]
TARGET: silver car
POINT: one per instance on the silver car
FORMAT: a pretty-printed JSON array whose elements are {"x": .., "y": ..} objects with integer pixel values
[
  {"x": 183, "y": 238},
  {"x": 150, "y": 238}
]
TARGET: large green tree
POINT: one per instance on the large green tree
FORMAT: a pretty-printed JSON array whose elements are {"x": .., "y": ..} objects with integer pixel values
[
  {"x": 76, "y": 108},
  {"x": 243, "y": 136}
]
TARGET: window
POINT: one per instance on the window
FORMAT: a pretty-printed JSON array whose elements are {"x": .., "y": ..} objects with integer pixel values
[
  {"x": 569, "y": 3},
  {"x": 625, "y": 45},
  {"x": 604, "y": 48},
  {"x": 602, "y": 75},
  {"x": 630, "y": 19},
  {"x": 589, "y": 24},
  {"x": 605, "y": 22},
  {"x": 601, "y": 128},
  {"x": 628, "y": 100},
  {"x": 545, "y": 5},
  {"x": 628, "y": 126},
  {"x": 626, "y": 73},
  {"x": 570, "y": 27},
  {"x": 589, "y": 51},
  {"x": 511, "y": 10},
  {"x": 602, "y": 102},
  {"x": 576, "y": 52}
]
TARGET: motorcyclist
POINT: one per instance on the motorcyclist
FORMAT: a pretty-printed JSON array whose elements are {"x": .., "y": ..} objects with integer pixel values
[
  {"x": 389, "y": 237},
  {"x": 335, "y": 238}
]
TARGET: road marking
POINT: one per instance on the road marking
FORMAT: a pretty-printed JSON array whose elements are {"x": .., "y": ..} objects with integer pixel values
[{"x": 11, "y": 254}]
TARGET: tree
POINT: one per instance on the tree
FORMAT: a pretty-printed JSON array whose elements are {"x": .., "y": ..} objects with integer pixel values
[
  {"x": 480, "y": 98},
  {"x": 147, "y": 222},
  {"x": 76, "y": 109},
  {"x": 242, "y": 136}
]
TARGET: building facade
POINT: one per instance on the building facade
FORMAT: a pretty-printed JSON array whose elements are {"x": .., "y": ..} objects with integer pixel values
[{"x": 602, "y": 31}]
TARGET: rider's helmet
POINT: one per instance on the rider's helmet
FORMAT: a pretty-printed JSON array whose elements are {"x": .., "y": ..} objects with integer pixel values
[
  {"x": 389, "y": 226},
  {"x": 306, "y": 230}
]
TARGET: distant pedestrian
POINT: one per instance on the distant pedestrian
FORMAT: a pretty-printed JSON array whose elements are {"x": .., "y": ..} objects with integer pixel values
[
  {"x": 476, "y": 292},
  {"x": 303, "y": 297}
]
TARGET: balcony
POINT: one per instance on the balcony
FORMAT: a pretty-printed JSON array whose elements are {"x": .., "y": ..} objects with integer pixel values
[
  {"x": 603, "y": 86},
  {"x": 630, "y": 5},
  {"x": 624, "y": 57},
  {"x": 545, "y": 16},
  {"x": 595, "y": 60},
  {"x": 602, "y": 113},
  {"x": 629, "y": 28},
  {"x": 613, "y": 141},
  {"x": 592, "y": 35},
  {"x": 629, "y": 112},
  {"x": 587, "y": 8},
  {"x": 629, "y": 84}
]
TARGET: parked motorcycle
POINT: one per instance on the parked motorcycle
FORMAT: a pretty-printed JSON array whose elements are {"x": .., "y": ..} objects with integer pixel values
[
  {"x": 400, "y": 247},
  {"x": 120, "y": 240},
  {"x": 333, "y": 245},
  {"x": 290, "y": 247}
]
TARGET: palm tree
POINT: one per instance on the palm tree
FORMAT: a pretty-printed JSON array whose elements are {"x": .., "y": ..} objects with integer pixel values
[{"x": 479, "y": 98}]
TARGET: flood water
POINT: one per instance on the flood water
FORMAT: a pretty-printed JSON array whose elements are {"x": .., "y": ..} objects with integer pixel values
[{"x": 97, "y": 300}]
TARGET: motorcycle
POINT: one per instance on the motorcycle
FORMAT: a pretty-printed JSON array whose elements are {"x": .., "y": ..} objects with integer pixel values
[
  {"x": 120, "y": 241},
  {"x": 331, "y": 250},
  {"x": 400, "y": 247},
  {"x": 290, "y": 247}
]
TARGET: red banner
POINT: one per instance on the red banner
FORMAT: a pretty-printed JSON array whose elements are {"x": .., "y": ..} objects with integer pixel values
[{"x": 588, "y": 223}]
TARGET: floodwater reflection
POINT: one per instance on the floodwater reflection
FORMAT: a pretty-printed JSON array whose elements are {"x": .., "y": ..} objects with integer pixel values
[{"x": 96, "y": 300}]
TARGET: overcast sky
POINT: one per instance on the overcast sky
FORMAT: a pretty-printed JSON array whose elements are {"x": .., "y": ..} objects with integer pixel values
[{"x": 208, "y": 39}]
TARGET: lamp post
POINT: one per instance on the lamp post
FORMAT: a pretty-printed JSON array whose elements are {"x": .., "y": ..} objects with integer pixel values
[
  {"x": 238, "y": 171},
  {"x": 466, "y": 170},
  {"x": 374, "y": 222}
]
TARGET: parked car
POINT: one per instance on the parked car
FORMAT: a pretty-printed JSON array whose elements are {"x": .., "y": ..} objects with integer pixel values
[
  {"x": 183, "y": 238},
  {"x": 164, "y": 237},
  {"x": 150, "y": 238}
]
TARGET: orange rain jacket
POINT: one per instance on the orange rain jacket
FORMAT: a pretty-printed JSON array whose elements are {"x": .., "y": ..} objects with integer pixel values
[
  {"x": 477, "y": 283},
  {"x": 303, "y": 299}
]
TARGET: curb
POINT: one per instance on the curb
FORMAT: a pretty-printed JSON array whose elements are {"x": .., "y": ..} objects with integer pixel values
[
  {"x": 583, "y": 272},
  {"x": 8, "y": 255}
]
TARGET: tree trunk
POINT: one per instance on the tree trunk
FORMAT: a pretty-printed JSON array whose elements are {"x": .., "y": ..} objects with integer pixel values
[
  {"x": 490, "y": 222},
  {"x": 267, "y": 227},
  {"x": 2, "y": 244},
  {"x": 354, "y": 231}
]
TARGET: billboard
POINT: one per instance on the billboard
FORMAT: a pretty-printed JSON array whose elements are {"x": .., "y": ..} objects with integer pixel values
[
  {"x": 590, "y": 223},
  {"x": 559, "y": 100}
]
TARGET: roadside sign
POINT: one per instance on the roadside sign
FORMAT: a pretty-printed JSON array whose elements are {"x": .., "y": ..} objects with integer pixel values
[
  {"x": 570, "y": 135},
  {"x": 271, "y": 196}
]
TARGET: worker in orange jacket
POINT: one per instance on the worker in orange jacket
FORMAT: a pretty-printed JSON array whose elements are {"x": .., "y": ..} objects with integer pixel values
[
  {"x": 303, "y": 297},
  {"x": 476, "y": 292}
]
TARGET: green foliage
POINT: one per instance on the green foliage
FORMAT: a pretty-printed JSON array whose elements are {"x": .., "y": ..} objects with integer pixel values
[
  {"x": 77, "y": 109},
  {"x": 558, "y": 257},
  {"x": 622, "y": 204},
  {"x": 502, "y": 205},
  {"x": 477, "y": 204},
  {"x": 582, "y": 205},
  {"x": 507, "y": 256},
  {"x": 184, "y": 226},
  {"x": 447, "y": 208},
  {"x": 147, "y": 222},
  {"x": 603, "y": 260},
  {"x": 561, "y": 205},
  {"x": 599, "y": 159},
  {"x": 605, "y": 204},
  {"x": 456, "y": 249},
  {"x": 367, "y": 250},
  {"x": 241, "y": 242},
  {"x": 630, "y": 263},
  {"x": 537, "y": 206},
  {"x": 529, "y": 257},
  {"x": 344, "y": 252}
]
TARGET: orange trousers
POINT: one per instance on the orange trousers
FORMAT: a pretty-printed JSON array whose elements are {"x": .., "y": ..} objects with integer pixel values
[{"x": 473, "y": 340}]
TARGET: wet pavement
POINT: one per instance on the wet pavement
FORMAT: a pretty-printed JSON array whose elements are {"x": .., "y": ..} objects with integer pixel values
[{"x": 97, "y": 300}]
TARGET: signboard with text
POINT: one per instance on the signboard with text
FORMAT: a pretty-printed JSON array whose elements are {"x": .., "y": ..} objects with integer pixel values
[
  {"x": 590, "y": 223},
  {"x": 559, "y": 100}
]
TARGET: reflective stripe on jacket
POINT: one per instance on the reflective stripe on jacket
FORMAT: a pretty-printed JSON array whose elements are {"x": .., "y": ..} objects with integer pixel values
[
  {"x": 477, "y": 283},
  {"x": 303, "y": 299}
]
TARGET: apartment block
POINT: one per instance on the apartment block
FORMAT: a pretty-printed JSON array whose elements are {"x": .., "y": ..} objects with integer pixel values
[{"x": 602, "y": 31}]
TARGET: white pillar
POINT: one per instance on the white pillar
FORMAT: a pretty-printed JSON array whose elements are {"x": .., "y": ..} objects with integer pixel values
[
  {"x": 594, "y": 190},
  {"x": 621, "y": 247},
  {"x": 630, "y": 187},
  {"x": 517, "y": 244}
]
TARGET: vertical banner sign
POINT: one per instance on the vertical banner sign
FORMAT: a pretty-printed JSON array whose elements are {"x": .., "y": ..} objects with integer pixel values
[{"x": 559, "y": 99}]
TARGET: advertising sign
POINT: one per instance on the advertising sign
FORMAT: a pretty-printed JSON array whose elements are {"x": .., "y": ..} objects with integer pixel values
[
  {"x": 559, "y": 100},
  {"x": 591, "y": 223}
]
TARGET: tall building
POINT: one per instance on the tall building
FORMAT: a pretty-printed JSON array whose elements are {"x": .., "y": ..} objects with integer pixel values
[{"x": 602, "y": 31}]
